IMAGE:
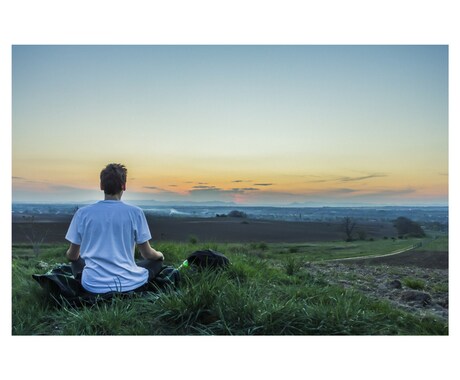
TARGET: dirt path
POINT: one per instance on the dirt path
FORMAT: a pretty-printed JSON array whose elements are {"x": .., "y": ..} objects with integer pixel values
[
  {"x": 386, "y": 277},
  {"x": 410, "y": 256},
  {"x": 417, "y": 258},
  {"x": 399, "y": 251}
]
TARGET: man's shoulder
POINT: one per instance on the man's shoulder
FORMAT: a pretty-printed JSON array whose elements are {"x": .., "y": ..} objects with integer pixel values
[
  {"x": 83, "y": 209},
  {"x": 89, "y": 207},
  {"x": 132, "y": 207},
  {"x": 104, "y": 205}
]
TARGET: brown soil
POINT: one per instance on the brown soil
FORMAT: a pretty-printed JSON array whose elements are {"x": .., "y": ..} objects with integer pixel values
[
  {"x": 418, "y": 258},
  {"x": 376, "y": 278},
  {"x": 378, "y": 282},
  {"x": 226, "y": 230}
]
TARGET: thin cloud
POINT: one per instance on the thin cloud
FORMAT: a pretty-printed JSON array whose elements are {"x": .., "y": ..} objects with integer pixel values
[
  {"x": 204, "y": 187},
  {"x": 342, "y": 191},
  {"x": 65, "y": 188},
  {"x": 331, "y": 192},
  {"x": 361, "y": 178},
  {"x": 212, "y": 193},
  {"x": 217, "y": 190},
  {"x": 243, "y": 189},
  {"x": 357, "y": 193},
  {"x": 26, "y": 180},
  {"x": 319, "y": 179},
  {"x": 159, "y": 191},
  {"x": 396, "y": 192},
  {"x": 263, "y": 184},
  {"x": 216, "y": 193},
  {"x": 327, "y": 196}
]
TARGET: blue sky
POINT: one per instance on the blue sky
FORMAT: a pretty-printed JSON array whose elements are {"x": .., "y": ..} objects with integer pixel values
[{"x": 300, "y": 118}]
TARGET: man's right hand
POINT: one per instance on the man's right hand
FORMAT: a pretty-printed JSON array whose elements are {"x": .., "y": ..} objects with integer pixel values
[
  {"x": 160, "y": 256},
  {"x": 147, "y": 252}
]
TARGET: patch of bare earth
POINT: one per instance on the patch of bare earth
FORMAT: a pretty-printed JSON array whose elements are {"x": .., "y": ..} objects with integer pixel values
[{"x": 415, "y": 281}]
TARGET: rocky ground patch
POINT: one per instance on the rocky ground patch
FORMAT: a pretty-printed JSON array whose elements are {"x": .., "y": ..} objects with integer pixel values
[{"x": 419, "y": 290}]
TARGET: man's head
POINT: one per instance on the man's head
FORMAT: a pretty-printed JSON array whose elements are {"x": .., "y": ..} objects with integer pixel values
[{"x": 113, "y": 179}]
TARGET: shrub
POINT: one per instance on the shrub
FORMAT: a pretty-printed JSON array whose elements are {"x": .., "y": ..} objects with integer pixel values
[
  {"x": 263, "y": 246},
  {"x": 405, "y": 226},
  {"x": 237, "y": 214},
  {"x": 362, "y": 235},
  {"x": 414, "y": 283},
  {"x": 292, "y": 266},
  {"x": 193, "y": 239}
]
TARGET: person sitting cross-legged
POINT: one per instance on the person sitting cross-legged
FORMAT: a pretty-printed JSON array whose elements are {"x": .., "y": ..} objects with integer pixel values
[{"x": 103, "y": 236}]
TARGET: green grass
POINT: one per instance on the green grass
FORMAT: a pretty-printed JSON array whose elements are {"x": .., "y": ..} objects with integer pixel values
[
  {"x": 324, "y": 251},
  {"x": 440, "y": 243},
  {"x": 266, "y": 291},
  {"x": 414, "y": 283}
]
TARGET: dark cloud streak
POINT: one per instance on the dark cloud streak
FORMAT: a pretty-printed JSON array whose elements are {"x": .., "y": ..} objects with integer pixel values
[
  {"x": 346, "y": 178},
  {"x": 203, "y": 187},
  {"x": 362, "y": 178}
]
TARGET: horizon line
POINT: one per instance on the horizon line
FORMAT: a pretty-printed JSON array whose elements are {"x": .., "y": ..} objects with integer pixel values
[{"x": 231, "y": 204}]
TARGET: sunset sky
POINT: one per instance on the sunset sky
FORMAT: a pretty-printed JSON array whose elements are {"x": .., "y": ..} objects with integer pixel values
[{"x": 255, "y": 125}]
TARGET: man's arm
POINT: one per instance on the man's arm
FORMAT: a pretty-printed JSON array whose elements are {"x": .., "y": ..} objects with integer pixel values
[
  {"x": 73, "y": 253},
  {"x": 147, "y": 252}
]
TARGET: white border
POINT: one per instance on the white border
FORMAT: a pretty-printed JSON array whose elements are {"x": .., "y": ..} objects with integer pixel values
[{"x": 223, "y": 22}]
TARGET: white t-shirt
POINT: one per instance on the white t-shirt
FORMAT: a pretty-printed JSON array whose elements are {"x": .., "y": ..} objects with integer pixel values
[{"x": 107, "y": 232}]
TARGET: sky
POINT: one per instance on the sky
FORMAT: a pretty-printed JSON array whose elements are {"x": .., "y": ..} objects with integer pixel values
[{"x": 249, "y": 124}]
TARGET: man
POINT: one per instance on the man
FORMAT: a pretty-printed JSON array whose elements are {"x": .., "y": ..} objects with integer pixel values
[{"x": 102, "y": 238}]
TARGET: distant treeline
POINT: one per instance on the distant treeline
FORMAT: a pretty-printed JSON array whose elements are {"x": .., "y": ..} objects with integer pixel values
[
  {"x": 233, "y": 214},
  {"x": 407, "y": 227}
]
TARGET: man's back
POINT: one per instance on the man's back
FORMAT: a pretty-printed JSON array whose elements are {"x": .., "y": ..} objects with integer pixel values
[{"x": 107, "y": 232}]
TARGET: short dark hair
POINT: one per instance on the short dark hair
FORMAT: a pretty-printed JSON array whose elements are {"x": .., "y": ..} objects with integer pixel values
[{"x": 113, "y": 177}]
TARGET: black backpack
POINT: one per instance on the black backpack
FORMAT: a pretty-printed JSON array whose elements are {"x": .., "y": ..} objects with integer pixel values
[
  {"x": 168, "y": 277},
  {"x": 208, "y": 259}
]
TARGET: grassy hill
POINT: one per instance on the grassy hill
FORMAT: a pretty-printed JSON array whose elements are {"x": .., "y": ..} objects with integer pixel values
[{"x": 269, "y": 289}]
